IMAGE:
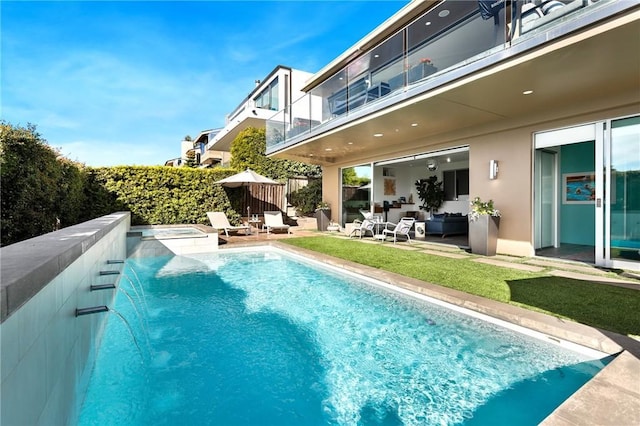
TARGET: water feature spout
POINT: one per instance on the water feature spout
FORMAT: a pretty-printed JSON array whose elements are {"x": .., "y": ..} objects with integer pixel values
[
  {"x": 95, "y": 287},
  {"x": 109, "y": 272},
  {"x": 112, "y": 262},
  {"x": 92, "y": 310}
]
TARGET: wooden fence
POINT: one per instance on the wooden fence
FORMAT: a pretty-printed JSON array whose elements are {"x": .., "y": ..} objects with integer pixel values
[{"x": 261, "y": 198}]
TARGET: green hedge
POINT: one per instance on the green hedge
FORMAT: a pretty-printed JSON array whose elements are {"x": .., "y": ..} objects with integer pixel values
[
  {"x": 166, "y": 195},
  {"x": 42, "y": 190}
]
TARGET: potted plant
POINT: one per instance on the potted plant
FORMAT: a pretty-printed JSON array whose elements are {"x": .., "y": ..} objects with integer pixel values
[
  {"x": 484, "y": 220},
  {"x": 323, "y": 215},
  {"x": 430, "y": 193}
]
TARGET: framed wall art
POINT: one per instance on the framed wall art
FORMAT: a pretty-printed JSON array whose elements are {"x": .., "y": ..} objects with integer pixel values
[{"x": 579, "y": 188}]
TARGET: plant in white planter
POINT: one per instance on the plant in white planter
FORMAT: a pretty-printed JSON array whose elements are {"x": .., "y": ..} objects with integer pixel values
[
  {"x": 430, "y": 193},
  {"x": 484, "y": 220},
  {"x": 333, "y": 226}
]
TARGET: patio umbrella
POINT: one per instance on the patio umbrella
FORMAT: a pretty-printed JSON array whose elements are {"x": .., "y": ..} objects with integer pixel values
[{"x": 246, "y": 178}]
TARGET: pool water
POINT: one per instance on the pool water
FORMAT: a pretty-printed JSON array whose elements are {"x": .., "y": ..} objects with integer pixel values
[
  {"x": 263, "y": 338},
  {"x": 171, "y": 232}
]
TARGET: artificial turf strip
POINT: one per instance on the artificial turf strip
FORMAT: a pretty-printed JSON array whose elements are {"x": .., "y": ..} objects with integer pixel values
[{"x": 598, "y": 305}]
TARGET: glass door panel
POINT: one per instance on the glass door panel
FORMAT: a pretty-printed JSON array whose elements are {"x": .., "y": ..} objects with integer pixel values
[
  {"x": 546, "y": 196},
  {"x": 624, "y": 211},
  {"x": 356, "y": 192}
]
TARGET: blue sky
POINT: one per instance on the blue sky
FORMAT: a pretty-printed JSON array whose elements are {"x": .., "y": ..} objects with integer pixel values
[{"x": 122, "y": 82}]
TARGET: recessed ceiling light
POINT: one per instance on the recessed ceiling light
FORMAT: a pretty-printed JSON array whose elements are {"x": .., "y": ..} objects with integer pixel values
[
  {"x": 328, "y": 149},
  {"x": 349, "y": 143},
  {"x": 310, "y": 155},
  {"x": 414, "y": 124},
  {"x": 376, "y": 56},
  {"x": 378, "y": 135},
  {"x": 444, "y": 13},
  {"x": 448, "y": 159},
  {"x": 527, "y": 92},
  {"x": 428, "y": 23}
]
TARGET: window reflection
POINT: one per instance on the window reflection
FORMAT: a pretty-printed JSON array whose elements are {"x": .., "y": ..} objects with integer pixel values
[
  {"x": 356, "y": 192},
  {"x": 625, "y": 189}
]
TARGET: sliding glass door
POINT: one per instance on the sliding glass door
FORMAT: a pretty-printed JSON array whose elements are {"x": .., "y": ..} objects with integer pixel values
[
  {"x": 587, "y": 193},
  {"x": 356, "y": 192},
  {"x": 622, "y": 214}
]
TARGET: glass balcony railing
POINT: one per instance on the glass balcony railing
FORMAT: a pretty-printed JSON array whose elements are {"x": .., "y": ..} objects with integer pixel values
[{"x": 448, "y": 36}]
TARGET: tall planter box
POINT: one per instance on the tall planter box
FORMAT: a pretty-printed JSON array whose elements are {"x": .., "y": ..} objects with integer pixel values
[
  {"x": 323, "y": 218},
  {"x": 483, "y": 235}
]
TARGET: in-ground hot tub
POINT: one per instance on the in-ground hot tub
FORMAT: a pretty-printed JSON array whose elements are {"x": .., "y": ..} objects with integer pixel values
[{"x": 144, "y": 241}]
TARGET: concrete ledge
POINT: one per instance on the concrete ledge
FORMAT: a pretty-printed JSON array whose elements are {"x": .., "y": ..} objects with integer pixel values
[{"x": 29, "y": 265}]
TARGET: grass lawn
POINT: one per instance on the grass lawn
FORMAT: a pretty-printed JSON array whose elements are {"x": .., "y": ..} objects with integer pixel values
[{"x": 597, "y": 305}]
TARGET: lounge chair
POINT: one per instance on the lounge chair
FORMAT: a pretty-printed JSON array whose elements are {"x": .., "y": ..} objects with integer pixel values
[
  {"x": 361, "y": 227},
  {"x": 402, "y": 228},
  {"x": 219, "y": 221},
  {"x": 273, "y": 222}
]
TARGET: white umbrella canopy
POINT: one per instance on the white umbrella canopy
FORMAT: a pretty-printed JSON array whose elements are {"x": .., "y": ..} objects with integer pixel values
[{"x": 246, "y": 178}]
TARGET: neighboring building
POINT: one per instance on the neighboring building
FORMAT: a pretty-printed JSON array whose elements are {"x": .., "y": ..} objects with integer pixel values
[
  {"x": 202, "y": 157},
  {"x": 209, "y": 158},
  {"x": 535, "y": 105},
  {"x": 275, "y": 92}
]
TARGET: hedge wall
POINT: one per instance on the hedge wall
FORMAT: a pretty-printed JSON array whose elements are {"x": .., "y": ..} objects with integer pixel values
[
  {"x": 164, "y": 195},
  {"x": 43, "y": 191}
]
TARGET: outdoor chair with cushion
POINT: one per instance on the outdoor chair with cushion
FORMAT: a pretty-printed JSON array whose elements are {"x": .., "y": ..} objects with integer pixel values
[
  {"x": 402, "y": 228},
  {"x": 273, "y": 222},
  {"x": 361, "y": 227},
  {"x": 366, "y": 214},
  {"x": 219, "y": 221}
]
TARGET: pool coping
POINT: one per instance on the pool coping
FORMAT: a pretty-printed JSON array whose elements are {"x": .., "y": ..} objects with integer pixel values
[
  {"x": 29, "y": 265},
  {"x": 612, "y": 397}
]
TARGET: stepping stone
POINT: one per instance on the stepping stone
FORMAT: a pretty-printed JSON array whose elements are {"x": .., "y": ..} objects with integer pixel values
[
  {"x": 518, "y": 266},
  {"x": 595, "y": 278},
  {"x": 446, "y": 254},
  {"x": 563, "y": 265}
]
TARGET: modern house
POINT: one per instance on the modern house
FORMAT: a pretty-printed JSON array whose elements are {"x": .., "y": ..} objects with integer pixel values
[
  {"x": 532, "y": 104},
  {"x": 275, "y": 92},
  {"x": 196, "y": 149},
  {"x": 209, "y": 158}
]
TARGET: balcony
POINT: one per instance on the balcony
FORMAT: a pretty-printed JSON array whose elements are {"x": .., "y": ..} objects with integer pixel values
[
  {"x": 214, "y": 158},
  {"x": 451, "y": 41}
]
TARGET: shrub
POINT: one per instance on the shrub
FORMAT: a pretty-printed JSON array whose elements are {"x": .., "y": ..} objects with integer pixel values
[
  {"x": 166, "y": 195},
  {"x": 40, "y": 190},
  {"x": 307, "y": 198}
]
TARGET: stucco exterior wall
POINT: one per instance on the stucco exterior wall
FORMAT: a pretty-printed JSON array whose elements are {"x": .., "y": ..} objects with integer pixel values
[{"x": 511, "y": 144}]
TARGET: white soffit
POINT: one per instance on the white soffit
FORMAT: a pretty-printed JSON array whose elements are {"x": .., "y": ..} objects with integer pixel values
[{"x": 565, "y": 136}]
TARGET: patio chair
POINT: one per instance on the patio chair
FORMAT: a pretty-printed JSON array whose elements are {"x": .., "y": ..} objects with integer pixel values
[
  {"x": 361, "y": 227},
  {"x": 366, "y": 214},
  {"x": 273, "y": 222},
  {"x": 402, "y": 228},
  {"x": 219, "y": 221}
]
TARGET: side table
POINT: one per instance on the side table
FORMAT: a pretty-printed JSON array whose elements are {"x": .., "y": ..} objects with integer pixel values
[{"x": 254, "y": 223}]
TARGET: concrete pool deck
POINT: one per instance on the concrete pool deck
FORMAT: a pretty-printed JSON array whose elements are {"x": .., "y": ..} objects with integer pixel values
[{"x": 612, "y": 397}]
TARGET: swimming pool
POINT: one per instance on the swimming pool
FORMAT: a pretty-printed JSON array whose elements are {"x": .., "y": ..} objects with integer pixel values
[{"x": 261, "y": 337}]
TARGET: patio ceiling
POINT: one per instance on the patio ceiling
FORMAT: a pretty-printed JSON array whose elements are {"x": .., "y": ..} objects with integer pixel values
[{"x": 575, "y": 72}]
